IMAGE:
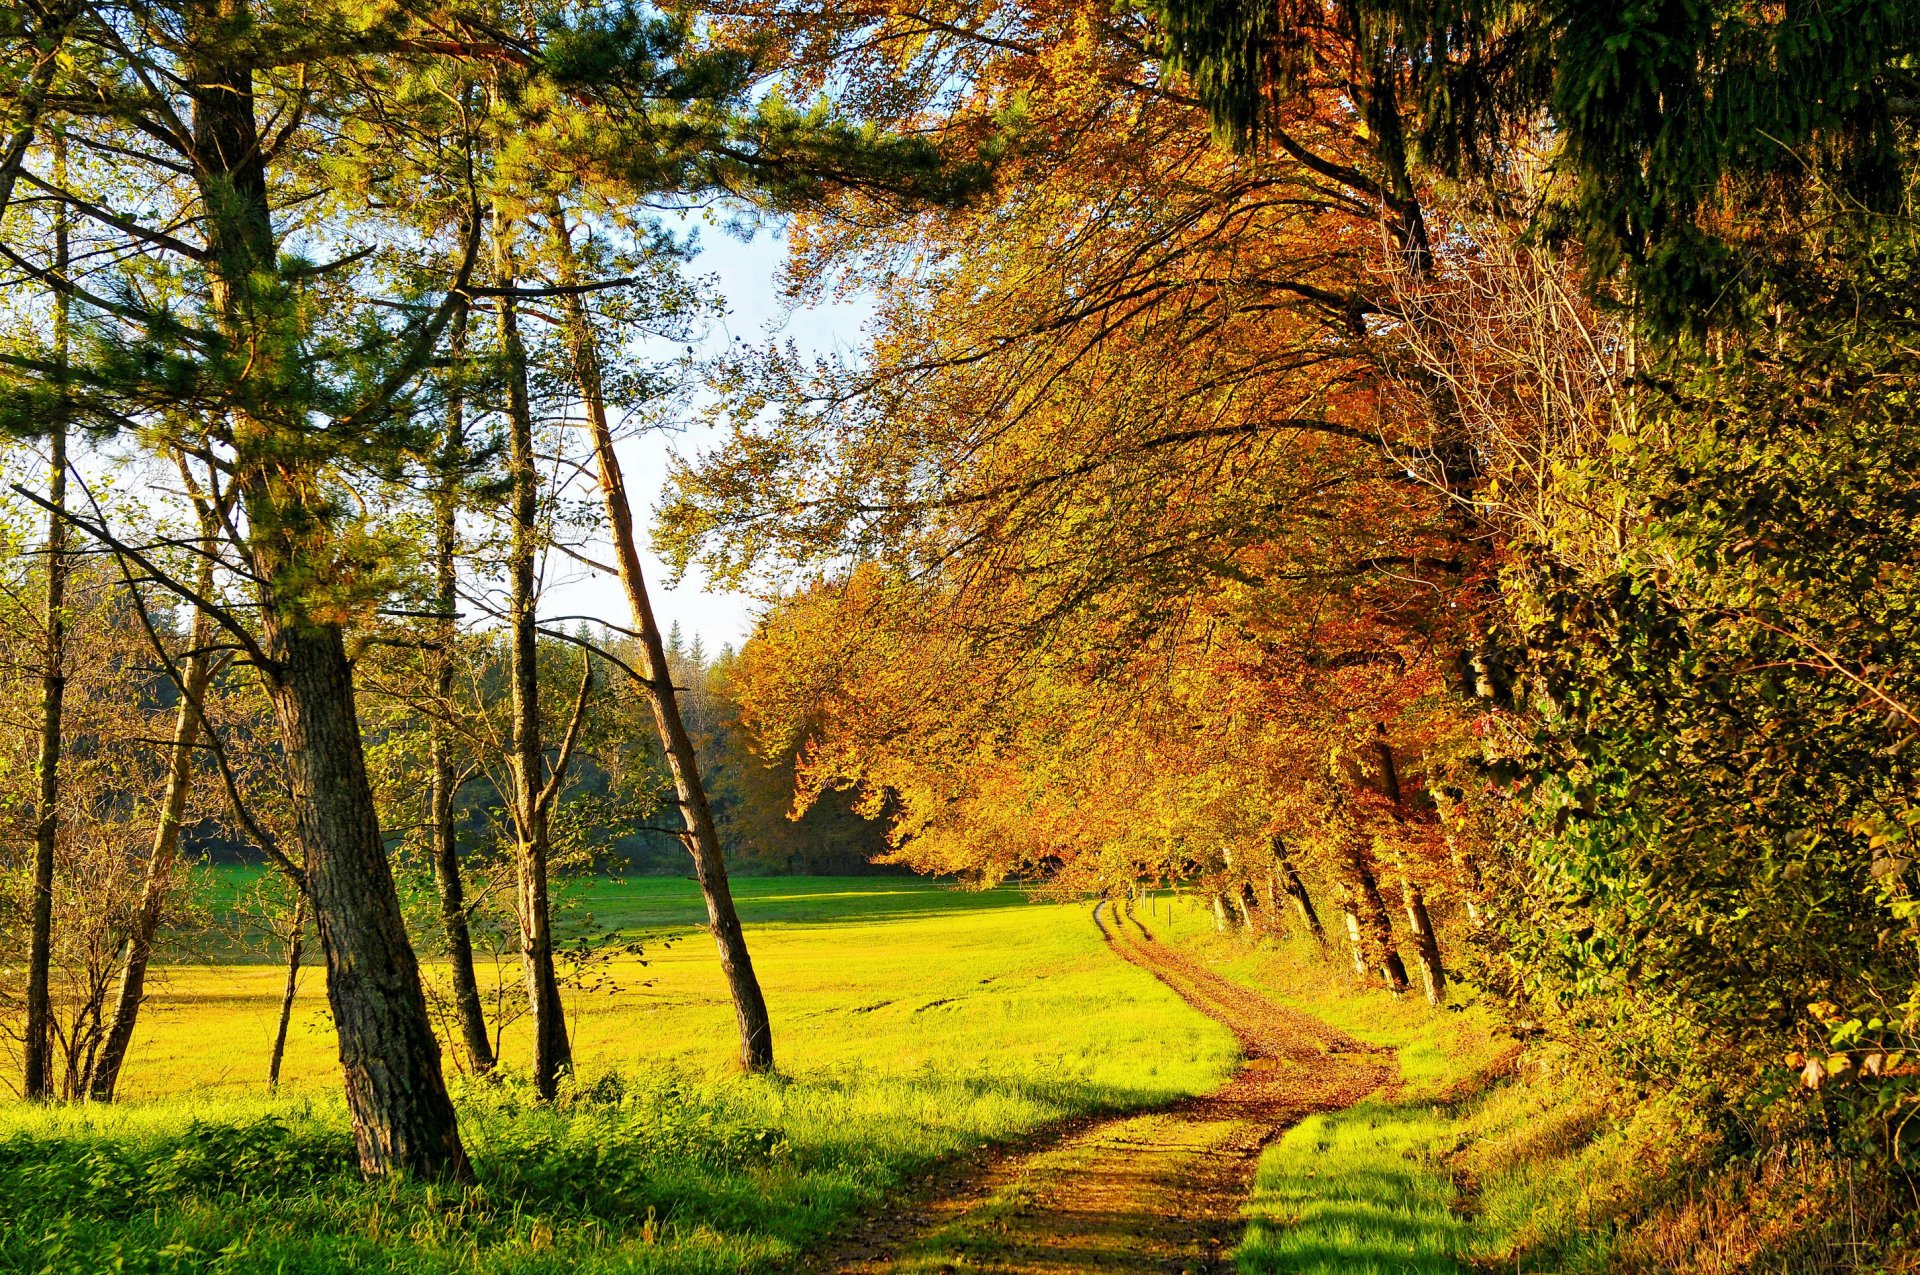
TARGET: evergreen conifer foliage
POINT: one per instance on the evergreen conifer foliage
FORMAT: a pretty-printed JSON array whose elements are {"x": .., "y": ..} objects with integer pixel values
[{"x": 1674, "y": 123}]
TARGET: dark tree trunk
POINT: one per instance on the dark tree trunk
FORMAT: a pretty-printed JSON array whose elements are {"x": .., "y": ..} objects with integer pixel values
[
  {"x": 701, "y": 837},
  {"x": 37, "y": 1049},
  {"x": 1296, "y": 889},
  {"x": 551, "y": 1051},
  {"x": 444, "y": 785},
  {"x": 402, "y": 1117},
  {"x": 1426, "y": 946},
  {"x": 296, "y": 943},
  {"x": 105, "y": 1073}
]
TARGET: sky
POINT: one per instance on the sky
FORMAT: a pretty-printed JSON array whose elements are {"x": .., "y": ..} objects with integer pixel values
[{"x": 747, "y": 276}]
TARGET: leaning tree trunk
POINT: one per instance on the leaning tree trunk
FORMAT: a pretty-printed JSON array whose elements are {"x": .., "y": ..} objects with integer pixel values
[
  {"x": 442, "y": 782},
  {"x": 1426, "y": 946},
  {"x": 1294, "y": 888},
  {"x": 551, "y": 1051},
  {"x": 145, "y": 922},
  {"x": 37, "y": 1048},
  {"x": 403, "y": 1119},
  {"x": 1249, "y": 904},
  {"x": 701, "y": 837},
  {"x": 296, "y": 943},
  {"x": 1368, "y": 922}
]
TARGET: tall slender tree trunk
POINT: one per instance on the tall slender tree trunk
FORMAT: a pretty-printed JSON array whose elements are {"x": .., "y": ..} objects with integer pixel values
[
  {"x": 105, "y": 1076},
  {"x": 1473, "y": 884},
  {"x": 701, "y": 837},
  {"x": 443, "y": 783},
  {"x": 38, "y": 1046},
  {"x": 551, "y": 1051},
  {"x": 296, "y": 942},
  {"x": 1426, "y": 945},
  {"x": 402, "y": 1117}
]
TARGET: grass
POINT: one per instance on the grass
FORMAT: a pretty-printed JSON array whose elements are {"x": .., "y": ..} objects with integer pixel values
[
  {"x": 912, "y": 1022},
  {"x": 1461, "y": 1165}
]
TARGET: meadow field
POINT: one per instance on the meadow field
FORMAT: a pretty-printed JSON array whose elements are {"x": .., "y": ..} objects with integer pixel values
[{"x": 913, "y": 1021}]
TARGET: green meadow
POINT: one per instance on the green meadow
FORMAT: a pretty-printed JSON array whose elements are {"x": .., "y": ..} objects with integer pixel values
[{"x": 914, "y": 1021}]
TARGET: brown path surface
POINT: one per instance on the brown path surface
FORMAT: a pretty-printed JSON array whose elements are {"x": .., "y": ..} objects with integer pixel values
[{"x": 1158, "y": 1192}]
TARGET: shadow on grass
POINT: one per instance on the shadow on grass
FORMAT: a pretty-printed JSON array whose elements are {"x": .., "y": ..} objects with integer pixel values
[
  {"x": 663, "y": 1174},
  {"x": 1346, "y": 1194},
  {"x": 669, "y": 902}
]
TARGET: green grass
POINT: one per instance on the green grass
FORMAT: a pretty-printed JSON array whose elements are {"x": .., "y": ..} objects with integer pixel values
[
  {"x": 1455, "y": 1167},
  {"x": 912, "y": 1022}
]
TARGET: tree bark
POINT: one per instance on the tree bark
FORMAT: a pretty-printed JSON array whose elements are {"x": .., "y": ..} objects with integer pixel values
[
  {"x": 402, "y": 1117},
  {"x": 1296, "y": 889},
  {"x": 701, "y": 837},
  {"x": 1367, "y": 915},
  {"x": 38, "y": 1046},
  {"x": 1249, "y": 904},
  {"x": 296, "y": 942},
  {"x": 105, "y": 1075},
  {"x": 1473, "y": 885},
  {"x": 444, "y": 785},
  {"x": 1356, "y": 944},
  {"x": 1426, "y": 946},
  {"x": 551, "y": 1050},
  {"x": 1223, "y": 920}
]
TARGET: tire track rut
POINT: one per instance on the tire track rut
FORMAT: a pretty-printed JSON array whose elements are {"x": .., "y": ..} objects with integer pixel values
[{"x": 1157, "y": 1192}]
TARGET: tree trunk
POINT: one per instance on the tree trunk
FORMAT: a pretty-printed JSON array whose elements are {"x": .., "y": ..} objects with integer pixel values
[
  {"x": 1222, "y": 915},
  {"x": 1473, "y": 885},
  {"x": 37, "y": 1048},
  {"x": 105, "y": 1076},
  {"x": 1296, "y": 889},
  {"x": 402, "y": 1117},
  {"x": 1249, "y": 904},
  {"x": 1426, "y": 946},
  {"x": 701, "y": 837},
  {"x": 1367, "y": 914},
  {"x": 444, "y": 785},
  {"x": 296, "y": 941},
  {"x": 1356, "y": 944},
  {"x": 551, "y": 1051}
]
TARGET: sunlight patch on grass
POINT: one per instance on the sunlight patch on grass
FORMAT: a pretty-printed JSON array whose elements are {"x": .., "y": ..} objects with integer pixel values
[
  {"x": 912, "y": 1022},
  {"x": 1346, "y": 1194}
]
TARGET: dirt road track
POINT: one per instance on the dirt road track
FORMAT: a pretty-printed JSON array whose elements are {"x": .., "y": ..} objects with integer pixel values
[{"x": 1158, "y": 1192}]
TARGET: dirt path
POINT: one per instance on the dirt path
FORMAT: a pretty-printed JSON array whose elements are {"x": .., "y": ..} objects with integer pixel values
[{"x": 1158, "y": 1192}]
